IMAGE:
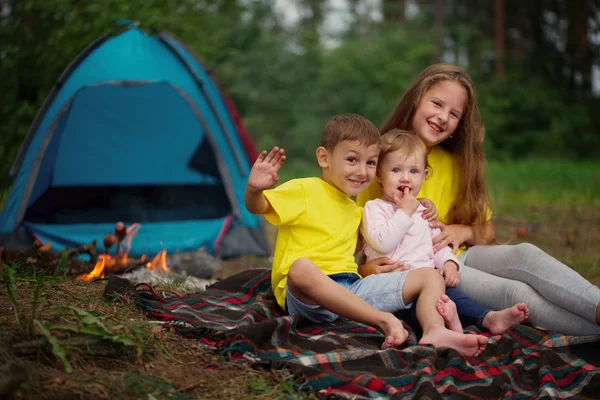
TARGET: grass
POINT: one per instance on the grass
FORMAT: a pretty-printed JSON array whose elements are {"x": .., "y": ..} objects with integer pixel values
[
  {"x": 554, "y": 204},
  {"x": 514, "y": 186}
]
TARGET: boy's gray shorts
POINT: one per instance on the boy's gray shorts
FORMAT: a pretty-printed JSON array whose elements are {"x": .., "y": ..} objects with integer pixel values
[{"x": 382, "y": 291}]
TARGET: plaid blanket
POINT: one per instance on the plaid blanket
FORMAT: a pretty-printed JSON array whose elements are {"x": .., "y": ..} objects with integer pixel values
[{"x": 239, "y": 317}]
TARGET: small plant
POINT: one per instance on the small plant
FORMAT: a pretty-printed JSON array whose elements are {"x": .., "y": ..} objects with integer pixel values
[
  {"x": 62, "y": 265},
  {"x": 136, "y": 386},
  {"x": 57, "y": 348},
  {"x": 91, "y": 332},
  {"x": 285, "y": 389},
  {"x": 9, "y": 276},
  {"x": 91, "y": 325}
]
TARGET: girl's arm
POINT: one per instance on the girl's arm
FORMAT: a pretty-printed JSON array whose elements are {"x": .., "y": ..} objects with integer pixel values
[
  {"x": 456, "y": 235},
  {"x": 482, "y": 234}
]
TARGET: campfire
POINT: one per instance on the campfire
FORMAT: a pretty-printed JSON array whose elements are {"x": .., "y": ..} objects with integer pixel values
[
  {"x": 119, "y": 262},
  {"x": 142, "y": 270},
  {"x": 191, "y": 270}
]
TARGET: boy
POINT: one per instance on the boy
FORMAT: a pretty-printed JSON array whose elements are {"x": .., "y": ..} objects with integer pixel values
[{"x": 314, "y": 272}]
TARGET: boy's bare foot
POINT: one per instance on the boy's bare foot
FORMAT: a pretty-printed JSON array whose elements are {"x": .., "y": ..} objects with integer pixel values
[
  {"x": 395, "y": 334},
  {"x": 499, "y": 321},
  {"x": 466, "y": 344},
  {"x": 447, "y": 309}
]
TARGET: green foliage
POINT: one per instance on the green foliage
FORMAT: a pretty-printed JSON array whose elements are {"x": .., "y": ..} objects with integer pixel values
[
  {"x": 57, "y": 348},
  {"x": 62, "y": 265},
  {"x": 514, "y": 185},
  {"x": 135, "y": 386},
  {"x": 285, "y": 82},
  {"x": 286, "y": 389},
  {"x": 10, "y": 279},
  {"x": 525, "y": 116},
  {"x": 40, "y": 280},
  {"x": 89, "y": 328},
  {"x": 91, "y": 325}
]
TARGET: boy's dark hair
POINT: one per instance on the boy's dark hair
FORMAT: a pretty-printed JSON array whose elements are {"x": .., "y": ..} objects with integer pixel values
[{"x": 349, "y": 127}]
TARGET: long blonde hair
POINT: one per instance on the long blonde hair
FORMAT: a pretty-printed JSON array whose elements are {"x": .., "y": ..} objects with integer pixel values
[{"x": 466, "y": 143}]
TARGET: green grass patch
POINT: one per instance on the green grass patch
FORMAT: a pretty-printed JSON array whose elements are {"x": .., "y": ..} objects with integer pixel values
[{"x": 516, "y": 186}]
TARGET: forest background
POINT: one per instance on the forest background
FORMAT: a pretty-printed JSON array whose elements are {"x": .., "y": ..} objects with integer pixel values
[{"x": 290, "y": 65}]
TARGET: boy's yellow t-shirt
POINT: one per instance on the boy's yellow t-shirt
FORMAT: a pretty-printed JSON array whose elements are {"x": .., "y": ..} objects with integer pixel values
[
  {"x": 441, "y": 186},
  {"x": 316, "y": 221}
]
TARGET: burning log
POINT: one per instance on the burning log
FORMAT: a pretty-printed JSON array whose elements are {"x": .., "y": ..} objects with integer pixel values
[{"x": 50, "y": 261}]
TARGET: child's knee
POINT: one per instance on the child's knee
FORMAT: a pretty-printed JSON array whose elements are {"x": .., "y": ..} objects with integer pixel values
[
  {"x": 301, "y": 271},
  {"x": 421, "y": 278},
  {"x": 429, "y": 275}
]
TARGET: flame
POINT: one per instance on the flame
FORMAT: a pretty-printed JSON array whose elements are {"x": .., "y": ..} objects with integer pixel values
[
  {"x": 107, "y": 262},
  {"x": 159, "y": 263}
]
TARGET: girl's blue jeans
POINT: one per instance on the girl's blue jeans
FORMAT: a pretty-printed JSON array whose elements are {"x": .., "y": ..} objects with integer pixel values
[{"x": 469, "y": 312}]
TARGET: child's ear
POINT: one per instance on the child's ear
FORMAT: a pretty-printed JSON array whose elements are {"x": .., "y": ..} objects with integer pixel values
[
  {"x": 323, "y": 157},
  {"x": 426, "y": 173},
  {"x": 377, "y": 179}
]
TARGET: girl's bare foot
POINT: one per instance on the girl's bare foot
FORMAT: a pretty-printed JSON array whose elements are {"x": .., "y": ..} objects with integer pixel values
[
  {"x": 395, "y": 334},
  {"x": 467, "y": 345},
  {"x": 499, "y": 321},
  {"x": 447, "y": 309}
]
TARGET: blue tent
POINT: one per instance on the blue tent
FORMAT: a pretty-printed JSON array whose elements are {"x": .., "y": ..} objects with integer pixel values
[{"x": 135, "y": 130}]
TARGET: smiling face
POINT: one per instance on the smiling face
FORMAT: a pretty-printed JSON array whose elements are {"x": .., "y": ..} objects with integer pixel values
[
  {"x": 350, "y": 167},
  {"x": 399, "y": 170},
  {"x": 438, "y": 113}
]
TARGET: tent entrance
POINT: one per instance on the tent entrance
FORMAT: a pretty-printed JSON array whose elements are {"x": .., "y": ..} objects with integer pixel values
[
  {"x": 143, "y": 204},
  {"x": 130, "y": 152}
]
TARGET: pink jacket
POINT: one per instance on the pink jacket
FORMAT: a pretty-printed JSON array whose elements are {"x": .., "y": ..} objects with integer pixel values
[{"x": 389, "y": 232}]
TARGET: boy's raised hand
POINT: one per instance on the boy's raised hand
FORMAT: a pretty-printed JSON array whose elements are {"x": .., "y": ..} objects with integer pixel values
[
  {"x": 406, "y": 201},
  {"x": 263, "y": 175}
]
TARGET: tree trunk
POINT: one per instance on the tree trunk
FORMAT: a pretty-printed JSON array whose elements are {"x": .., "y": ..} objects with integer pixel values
[
  {"x": 578, "y": 47},
  {"x": 500, "y": 37},
  {"x": 393, "y": 10},
  {"x": 438, "y": 23}
]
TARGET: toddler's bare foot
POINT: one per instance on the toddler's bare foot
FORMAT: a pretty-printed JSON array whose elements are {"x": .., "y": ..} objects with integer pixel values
[
  {"x": 447, "y": 309},
  {"x": 467, "y": 345},
  {"x": 499, "y": 321},
  {"x": 394, "y": 332}
]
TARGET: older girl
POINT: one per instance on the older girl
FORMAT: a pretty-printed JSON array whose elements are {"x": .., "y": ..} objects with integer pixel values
[{"x": 441, "y": 107}]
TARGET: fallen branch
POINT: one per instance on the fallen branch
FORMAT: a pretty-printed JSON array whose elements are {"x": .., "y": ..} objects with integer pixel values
[
  {"x": 89, "y": 249},
  {"x": 87, "y": 345}
]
